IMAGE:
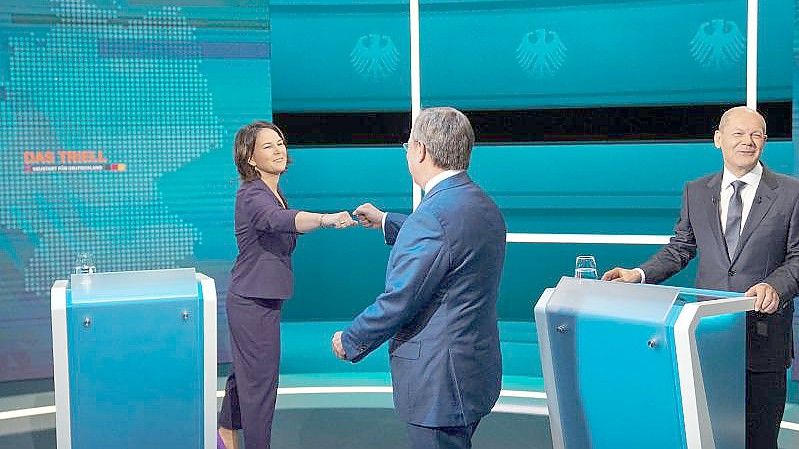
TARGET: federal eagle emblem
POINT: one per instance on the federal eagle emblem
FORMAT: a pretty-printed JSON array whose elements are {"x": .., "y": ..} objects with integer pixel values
[
  {"x": 375, "y": 56},
  {"x": 718, "y": 44},
  {"x": 541, "y": 53}
]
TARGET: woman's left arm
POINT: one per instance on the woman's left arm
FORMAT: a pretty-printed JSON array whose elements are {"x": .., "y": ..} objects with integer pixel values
[
  {"x": 311, "y": 221},
  {"x": 267, "y": 216}
]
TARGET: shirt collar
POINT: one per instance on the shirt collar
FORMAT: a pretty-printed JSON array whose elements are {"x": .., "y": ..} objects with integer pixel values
[
  {"x": 752, "y": 178},
  {"x": 440, "y": 177}
]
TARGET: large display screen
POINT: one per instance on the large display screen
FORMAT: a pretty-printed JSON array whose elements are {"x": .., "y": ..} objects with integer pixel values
[{"x": 116, "y": 124}]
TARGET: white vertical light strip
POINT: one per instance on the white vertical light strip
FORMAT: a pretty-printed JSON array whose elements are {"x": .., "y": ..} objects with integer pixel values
[
  {"x": 416, "y": 96},
  {"x": 209, "y": 359},
  {"x": 751, "y": 54},
  {"x": 58, "y": 309}
]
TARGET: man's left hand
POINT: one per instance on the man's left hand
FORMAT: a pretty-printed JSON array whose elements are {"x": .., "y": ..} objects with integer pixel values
[
  {"x": 767, "y": 300},
  {"x": 338, "y": 348}
]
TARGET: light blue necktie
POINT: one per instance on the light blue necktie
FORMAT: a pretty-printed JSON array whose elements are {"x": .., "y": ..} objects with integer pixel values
[{"x": 734, "y": 212}]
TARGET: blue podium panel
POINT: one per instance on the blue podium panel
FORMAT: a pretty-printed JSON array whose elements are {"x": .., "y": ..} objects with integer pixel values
[
  {"x": 135, "y": 360},
  {"x": 642, "y": 365},
  {"x": 137, "y": 363},
  {"x": 607, "y": 348},
  {"x": 596, "y": 357}
]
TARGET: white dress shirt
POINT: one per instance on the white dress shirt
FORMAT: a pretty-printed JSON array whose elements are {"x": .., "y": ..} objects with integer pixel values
[
  {"x": 427, "y": 187},
  {"x": 752, "y": 180}
]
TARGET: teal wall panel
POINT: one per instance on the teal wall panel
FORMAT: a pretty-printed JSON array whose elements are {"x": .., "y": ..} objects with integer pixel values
[
  {"x": 597, "y": 53},
  {"x": 345, "y": 56},
  {"x": 354, "y": 55}
]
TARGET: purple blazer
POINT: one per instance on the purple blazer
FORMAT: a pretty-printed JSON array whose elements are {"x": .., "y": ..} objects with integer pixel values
[{"x": 266, "y": 236}]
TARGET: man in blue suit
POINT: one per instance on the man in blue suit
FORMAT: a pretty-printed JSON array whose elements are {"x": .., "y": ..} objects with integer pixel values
[{"x": 439, "y": 305}]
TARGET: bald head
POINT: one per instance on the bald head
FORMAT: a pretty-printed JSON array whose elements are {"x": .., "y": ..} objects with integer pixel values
[{"x": 741, "y": 112}]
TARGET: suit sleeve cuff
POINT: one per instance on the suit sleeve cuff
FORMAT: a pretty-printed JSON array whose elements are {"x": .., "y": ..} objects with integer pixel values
[
  {"x": 383, "y": 226},
  {"x": 354, "y": 351},
  {"x": 641, "y": 272}
]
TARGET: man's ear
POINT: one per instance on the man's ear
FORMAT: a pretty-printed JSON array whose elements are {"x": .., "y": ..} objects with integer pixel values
[
  {"x": 717, "y": 139},
  {"x": 422, "y": 152}
]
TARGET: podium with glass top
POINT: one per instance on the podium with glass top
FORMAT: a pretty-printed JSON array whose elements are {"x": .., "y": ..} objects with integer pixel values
[
  {"x": 135, "y": 360},
  {"x": 631, "y": 365}
]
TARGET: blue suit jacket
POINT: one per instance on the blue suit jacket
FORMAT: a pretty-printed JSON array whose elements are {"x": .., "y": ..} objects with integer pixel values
[
  {"x": 439, "y": 307},
  {"x": 266, "y": 236}
]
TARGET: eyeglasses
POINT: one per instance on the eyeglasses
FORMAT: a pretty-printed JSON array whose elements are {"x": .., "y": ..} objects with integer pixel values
[{"x": 407, "y": 145}]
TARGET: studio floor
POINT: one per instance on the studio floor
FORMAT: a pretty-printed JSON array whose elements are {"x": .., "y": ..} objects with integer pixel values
[{"x": 320, "y": 411}]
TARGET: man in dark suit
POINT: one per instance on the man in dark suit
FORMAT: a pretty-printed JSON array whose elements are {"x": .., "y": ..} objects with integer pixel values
[
  {"x": 744, "y": 222},
  {"x": 439, "y": 305}
]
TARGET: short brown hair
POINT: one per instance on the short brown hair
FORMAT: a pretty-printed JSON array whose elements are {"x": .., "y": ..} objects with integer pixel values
[{"x": 244, "y": 147}]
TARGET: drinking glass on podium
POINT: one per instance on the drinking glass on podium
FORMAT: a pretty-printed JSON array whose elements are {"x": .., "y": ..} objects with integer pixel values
[
  {"x": 84, "y": 264},
  {"x": 585, "y": 268}
]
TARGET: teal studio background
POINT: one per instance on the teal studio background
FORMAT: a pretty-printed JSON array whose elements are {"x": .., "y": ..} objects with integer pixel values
[{"x": 159, "y": 88}]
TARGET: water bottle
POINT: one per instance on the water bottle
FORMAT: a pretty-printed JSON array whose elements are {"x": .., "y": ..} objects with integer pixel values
[
  {"x": 585, "y": 268},
  {"x": 84, "y": 263}
]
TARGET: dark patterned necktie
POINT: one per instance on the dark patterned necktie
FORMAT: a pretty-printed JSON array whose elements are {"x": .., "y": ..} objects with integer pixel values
[{"x": 734, "y": 212}]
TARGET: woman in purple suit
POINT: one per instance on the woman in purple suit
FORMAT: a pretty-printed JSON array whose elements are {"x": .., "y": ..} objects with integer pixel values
[{"x": 261, "y": 279}]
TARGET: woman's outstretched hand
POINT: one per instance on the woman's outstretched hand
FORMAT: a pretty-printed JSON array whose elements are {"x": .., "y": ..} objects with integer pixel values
[{"x": 338, "y": 220}]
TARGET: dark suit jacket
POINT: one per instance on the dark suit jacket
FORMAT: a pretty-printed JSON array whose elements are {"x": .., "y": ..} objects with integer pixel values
[
  {"x": 439, "y": 307},
  {"x": 768, "y": 251},
  {"x": 266, "y": 236}
]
